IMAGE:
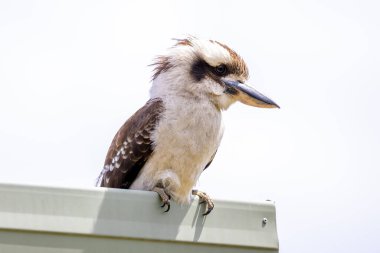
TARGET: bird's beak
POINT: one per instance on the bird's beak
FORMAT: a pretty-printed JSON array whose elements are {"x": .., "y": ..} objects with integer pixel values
[{"x": 248, "y": 95}]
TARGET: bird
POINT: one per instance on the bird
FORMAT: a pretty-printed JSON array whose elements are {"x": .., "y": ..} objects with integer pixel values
[{"x": 166, "y": 145}]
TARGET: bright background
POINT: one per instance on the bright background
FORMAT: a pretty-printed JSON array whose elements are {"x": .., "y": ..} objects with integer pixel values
[{"x": 71, "y": 72}]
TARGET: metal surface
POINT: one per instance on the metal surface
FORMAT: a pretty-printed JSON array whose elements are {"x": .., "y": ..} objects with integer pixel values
[{"x": 46, "y": 219}]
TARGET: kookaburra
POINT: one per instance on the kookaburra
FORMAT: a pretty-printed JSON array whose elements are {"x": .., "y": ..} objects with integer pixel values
[{"x": 173, "y": 138}]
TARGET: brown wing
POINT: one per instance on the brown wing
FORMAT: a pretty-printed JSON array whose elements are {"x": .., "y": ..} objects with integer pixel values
[{"x": 131, "y": 147}]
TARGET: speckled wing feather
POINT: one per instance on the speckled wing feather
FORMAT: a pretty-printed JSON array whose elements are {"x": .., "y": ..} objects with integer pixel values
[{"x": 131, "y": 147}]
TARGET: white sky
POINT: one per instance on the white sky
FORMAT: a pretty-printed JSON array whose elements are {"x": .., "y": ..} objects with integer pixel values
[{"x": 71, "y": 72}]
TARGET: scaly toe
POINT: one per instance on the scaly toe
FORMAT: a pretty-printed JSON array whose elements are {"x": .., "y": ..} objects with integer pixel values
[
  {"x": 204, "y": 199},
  {"x": 164, "y": 197}
]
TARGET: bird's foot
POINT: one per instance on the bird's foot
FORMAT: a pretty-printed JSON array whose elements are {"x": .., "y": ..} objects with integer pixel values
[
  {"x": 204, "y": 198},
  {"x": 164, "y": 197}
]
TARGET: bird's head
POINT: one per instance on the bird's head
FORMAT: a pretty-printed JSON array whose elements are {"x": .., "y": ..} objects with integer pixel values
[{"x": 205, "y": 69}]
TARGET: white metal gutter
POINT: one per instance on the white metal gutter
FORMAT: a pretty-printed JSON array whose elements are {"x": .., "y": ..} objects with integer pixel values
[{"x": 46, "y": 219}]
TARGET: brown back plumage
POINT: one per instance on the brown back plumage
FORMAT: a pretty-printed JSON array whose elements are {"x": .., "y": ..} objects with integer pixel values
[{"x": 131, "y": 147}]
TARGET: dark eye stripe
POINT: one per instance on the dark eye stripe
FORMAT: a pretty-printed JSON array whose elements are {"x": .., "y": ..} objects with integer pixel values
[{"x": 201, "y": 68}]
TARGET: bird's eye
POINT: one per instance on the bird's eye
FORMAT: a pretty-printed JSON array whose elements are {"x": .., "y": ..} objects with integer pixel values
[{"x": 221, "y": 70}]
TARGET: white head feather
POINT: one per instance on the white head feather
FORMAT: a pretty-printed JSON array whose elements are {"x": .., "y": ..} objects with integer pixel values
[{"x": 174, "y": 76}]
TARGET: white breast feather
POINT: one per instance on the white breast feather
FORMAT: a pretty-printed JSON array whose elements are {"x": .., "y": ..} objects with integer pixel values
[{"x": 186, "y": 137}]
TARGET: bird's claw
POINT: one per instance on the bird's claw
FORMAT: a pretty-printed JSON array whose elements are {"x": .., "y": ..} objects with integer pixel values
[
  {"x": 209, "y": 207},
  {"x": 166, "y": 203},
  {"x": 204, "y": 199},
  {"x": 164, "y": 197}
]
